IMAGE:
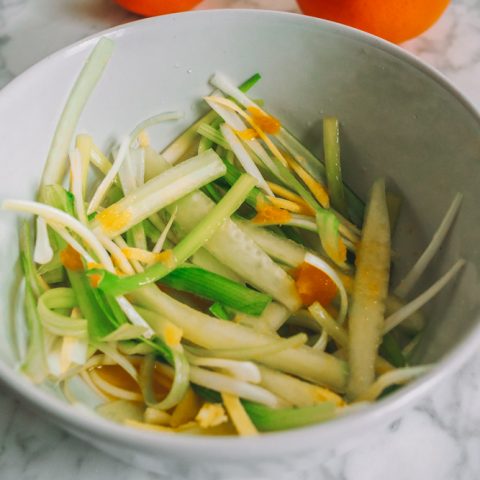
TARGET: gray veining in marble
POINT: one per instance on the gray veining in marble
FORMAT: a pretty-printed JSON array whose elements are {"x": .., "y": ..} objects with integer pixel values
[{"x": 437, "y": 439}]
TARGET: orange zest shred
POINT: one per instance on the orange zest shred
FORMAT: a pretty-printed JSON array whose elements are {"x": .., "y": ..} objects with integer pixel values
[
  {"x": 288, "y": 195},
  {"x": 114, "y": 218},
  {"x": 94, "y": 279},
  {"x": 71, "y": 259},
  {"x": 313, "y": 285},
  {"x": 318, "y": 190},
  {"x": 268, "y": 123},
  {"x": 270, "y": 215},
  {"x": 289, "y": 205},
  {"x": 247, "y": 134},
  {"x": 229, "y": 104}
]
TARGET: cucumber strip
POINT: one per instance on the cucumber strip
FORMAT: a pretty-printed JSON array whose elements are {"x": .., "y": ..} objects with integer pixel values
[
  {"x": 296, "y": 392},
  {"x": 239, "y": 252},
  {"x": 205, "y": 229},
  {"x": 202, "y": 258},
  {"x": 56, "y": 165},
  {"x": 282, "y": 249},
  {"x": 366, "y": 319},
  {"x": 272, "y": 420},
  {"x": 212, "y": 333},
  {"x": 333, "y": 169},
  {"x": 214, "y": 287},
  {"x": 276, "y": 345},
  {"x": 159, "y": 192},
  {"x": 271, "y": 319}
]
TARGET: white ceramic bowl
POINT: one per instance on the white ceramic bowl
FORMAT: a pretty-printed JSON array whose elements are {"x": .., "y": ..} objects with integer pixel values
[{"x": 400, "y": 119}]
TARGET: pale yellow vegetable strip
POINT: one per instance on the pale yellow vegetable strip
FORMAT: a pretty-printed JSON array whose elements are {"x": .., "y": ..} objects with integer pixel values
[
  {"x": 294, "y": 391},
  {"x": 333, "y": 328},
  {"x": 366, "y": 319},
  {"x": 212, "y": 333},
  {"x": 395, "y": 377},
  {"x": 224, "y": 383},
  {"x": 280, "y": 248},
  {"x": 238, "y": 415}
]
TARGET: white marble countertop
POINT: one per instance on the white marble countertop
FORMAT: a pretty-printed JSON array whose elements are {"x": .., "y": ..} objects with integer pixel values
[{"x": 437, "y": 439}]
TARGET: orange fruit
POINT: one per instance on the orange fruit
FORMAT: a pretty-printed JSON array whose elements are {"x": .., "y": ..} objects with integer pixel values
[
  {"x": 394, "y": 20},
  {"x": 150, "y": 8}
]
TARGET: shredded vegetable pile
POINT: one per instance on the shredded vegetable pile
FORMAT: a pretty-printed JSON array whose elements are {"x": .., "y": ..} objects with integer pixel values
[{"x": 231, "y": 284}]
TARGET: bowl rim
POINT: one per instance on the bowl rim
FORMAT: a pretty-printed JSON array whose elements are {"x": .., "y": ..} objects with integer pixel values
[{"x": 236, "y": 448}]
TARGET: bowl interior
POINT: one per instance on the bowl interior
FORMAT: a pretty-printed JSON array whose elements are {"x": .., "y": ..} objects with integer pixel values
[{"x": 398, "y": 120}]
